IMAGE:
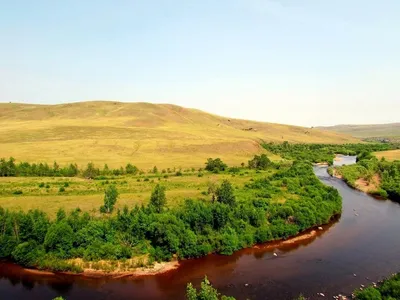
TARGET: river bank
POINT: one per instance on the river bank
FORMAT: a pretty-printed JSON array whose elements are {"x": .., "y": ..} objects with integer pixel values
[{"x": 163, "y": 267}]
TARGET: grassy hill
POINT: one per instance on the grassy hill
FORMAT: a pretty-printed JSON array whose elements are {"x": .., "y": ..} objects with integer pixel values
[
  {"x": 390, "y": 131},
  {"x": 142, "y": 133}
]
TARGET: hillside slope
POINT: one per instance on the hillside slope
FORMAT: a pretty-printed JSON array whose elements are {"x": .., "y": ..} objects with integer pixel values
[
  {"x": 367, "y": 131},
  {"x": 142, "y": 133}
]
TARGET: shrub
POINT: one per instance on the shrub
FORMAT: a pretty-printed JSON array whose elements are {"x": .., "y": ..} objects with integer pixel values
[
  {"x": 206, "y": 292},
  {"x": 215, "y": 165},
  {"x": 225, "y": 193},
  {"x": 41, "y": 184},
  {"x": 61, "y": 190},
  {"x": 158, "y": 199},
  {"x": 369, "y": 293},
  {"x": 59, "y": 239},
  {"x": 17, "y": 192},
  {"x": 178, "y": 173}
]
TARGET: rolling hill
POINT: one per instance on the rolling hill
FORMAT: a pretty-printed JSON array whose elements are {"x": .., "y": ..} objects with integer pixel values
[
  {"x": 142, "y": 133},
  {"x": 390, "y": 131}
]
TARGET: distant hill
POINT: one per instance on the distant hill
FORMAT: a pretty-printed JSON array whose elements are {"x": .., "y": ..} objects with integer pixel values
[
  {"x": 374, "y": 132},
  {"x": 142, "y": 133}
]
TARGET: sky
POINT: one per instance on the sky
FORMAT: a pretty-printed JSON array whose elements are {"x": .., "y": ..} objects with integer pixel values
[{"x": 302, "y": 62}]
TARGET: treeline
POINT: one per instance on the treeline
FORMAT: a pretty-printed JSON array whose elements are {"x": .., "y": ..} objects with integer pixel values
[
  {"x": 316, "y": 153},
  {"x": 367, "y": 167},
  {"x": 9, "y": 168},
  {"x": 196, "y": 228},
  {"x": 389, "y": 289}
]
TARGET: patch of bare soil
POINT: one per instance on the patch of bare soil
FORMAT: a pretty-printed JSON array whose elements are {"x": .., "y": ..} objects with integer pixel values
[
  {"x": 157, "y": 268},
  {"x": 301, "y": 237},
  {"x": 336, "y": 174},
  {"x": 368, "y": 186}
]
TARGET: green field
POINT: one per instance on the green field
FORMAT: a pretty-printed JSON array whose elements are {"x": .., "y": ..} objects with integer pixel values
[
  {"x": 143, "y": 134},
  {"x": 88, "y": 194}
]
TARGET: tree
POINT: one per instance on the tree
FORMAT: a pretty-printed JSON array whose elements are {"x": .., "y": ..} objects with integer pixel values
[
  {"x": 110, "y": 198},
  {"x": 215, "y": 165},
  {"x": 61, "y": 215},
  {"x": 59, "y": 238},
  {"x": 131, "y": 169},
  {"x": 225, "y": 193},
  {"x": 56, "y": 168},
  {"x": 91, "y": 172},
  {"x": 106, "y": 170},
  {"x": 259, "y": 162},
  {"x": 158, "y": 199},
  {"x": 206, "y": 292},
  {"x": 155, "y": 170},
  {"x": 212, "y": 189}
]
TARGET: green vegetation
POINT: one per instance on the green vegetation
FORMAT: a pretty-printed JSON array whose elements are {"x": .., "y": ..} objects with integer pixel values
[
  {"x": 110, "y": 198},
  {"x": 389, "y": 289},
  {"x": 277, "y": 203},
  {"x": 379, "y": 177},
  {"x": 8, "y": 168},
  {"x": 206, "y": 292},
  {"x": 215, "y": 165},
  {"x": 316, "y": 153},
  {"x": 261, "y": 162}
]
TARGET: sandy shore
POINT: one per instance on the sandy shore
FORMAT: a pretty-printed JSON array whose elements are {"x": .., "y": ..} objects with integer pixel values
[
  {"x": 157, "y": 268},
  {"x": 301, "y": 237},
  {"x": 321, "y": 164}
]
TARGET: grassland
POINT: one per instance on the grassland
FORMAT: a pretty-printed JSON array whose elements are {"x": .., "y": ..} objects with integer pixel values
[
  {"x": 141, "y": 133},
  {"x": 389, "y": 155},
  {"x": 88, "y": 194},
  {"x": 377, "y": 131}
]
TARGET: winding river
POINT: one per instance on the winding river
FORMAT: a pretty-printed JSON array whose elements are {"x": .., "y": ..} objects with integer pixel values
[{"x": 360, "y": 247}]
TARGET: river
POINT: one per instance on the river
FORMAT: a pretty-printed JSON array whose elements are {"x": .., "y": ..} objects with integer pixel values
[{"x": 360, "y": 247}]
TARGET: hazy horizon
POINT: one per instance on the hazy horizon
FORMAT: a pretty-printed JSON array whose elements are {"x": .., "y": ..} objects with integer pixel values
[{"x": 313, "y": 63}]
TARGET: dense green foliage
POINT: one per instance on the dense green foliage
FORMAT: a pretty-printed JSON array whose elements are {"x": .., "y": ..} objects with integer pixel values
[
  {"x": 8, "y": 168},
  {"x": 316, "y": 153},
  {"x": 206, "y": 292},
  {"x": 367, "y": 166},
  {"x": 215, "y": 165},
  {"x": 389, "y": 289},
  {"x": 237, "y": 219},
  {"x": 260, "y": 162}
]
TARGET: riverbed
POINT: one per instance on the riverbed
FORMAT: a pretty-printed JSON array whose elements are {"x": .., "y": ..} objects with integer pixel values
[{"x": 360, "y": 247}]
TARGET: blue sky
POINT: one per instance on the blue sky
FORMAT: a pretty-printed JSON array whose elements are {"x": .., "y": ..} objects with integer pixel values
[{"x": 304, "y": 62}]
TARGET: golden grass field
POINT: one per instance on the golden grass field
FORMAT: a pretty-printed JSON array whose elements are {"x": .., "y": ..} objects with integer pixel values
[
  {"x": 389, "y": 155},
  {"x": 88, "y": 195},
  {"x": 141, "y": 133}
]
